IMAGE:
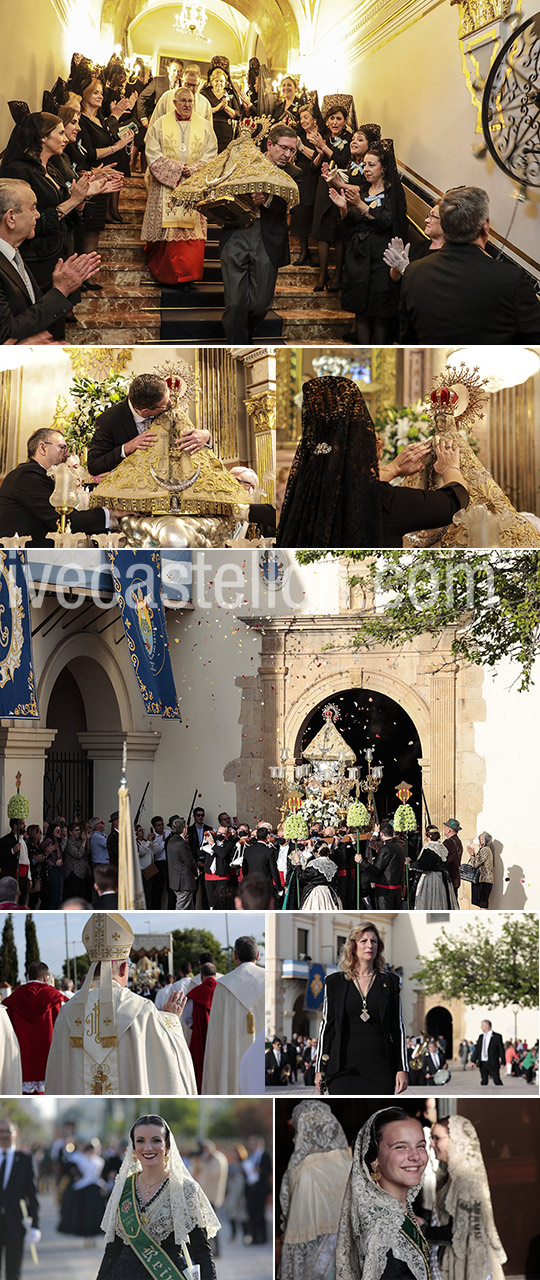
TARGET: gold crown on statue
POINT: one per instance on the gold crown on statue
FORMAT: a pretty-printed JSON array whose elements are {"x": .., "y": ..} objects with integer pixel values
[
  {"x": 181, "y": 379},
  {"x": 461, "y": 392},
  {"x": 261, "y": 125},
  {"x": 107, "y": 936}
]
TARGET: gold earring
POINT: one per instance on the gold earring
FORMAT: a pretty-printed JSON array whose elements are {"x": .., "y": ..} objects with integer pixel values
[{"x": 375, "y": 1172}]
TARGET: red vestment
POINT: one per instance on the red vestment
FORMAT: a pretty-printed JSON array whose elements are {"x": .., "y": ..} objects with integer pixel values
[
  {"x": 33, "y": 1008},
  {"x": 202, "y": 997}
]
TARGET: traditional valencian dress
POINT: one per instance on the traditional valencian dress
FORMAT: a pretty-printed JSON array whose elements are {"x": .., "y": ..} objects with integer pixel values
[
  {"x": 311, "y": 1193},
  {"x": 162, "y": 1236},
  {"x": 464, "y": 1239},
  {"x": 378, "y": 1237},
  {"x": 175, "y": 237}
]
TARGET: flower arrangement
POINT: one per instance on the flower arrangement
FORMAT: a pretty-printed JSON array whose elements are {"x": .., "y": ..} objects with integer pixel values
[
  {"x": 357, "y": 815},
  {"x": 94, "y": 396},
  {"x": 399, "y": 426},
  {"x": 18, "y": 807},
  {"x": 295, "y": 827},
  {"x": 316, "y": 809},
  {"x": 404, "y": 818}
]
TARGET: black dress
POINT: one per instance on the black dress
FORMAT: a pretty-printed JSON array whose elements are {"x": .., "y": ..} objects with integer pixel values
[
  {"x": 223, "y": 124},
  {"x": 119, "y": 1262},
  {"x": 364, "y": 1069},
  {"x": 301, "y": 217},
  {"x": 53, "y": 233},
  {"x": 367, "y": 287},
  {"x": 326, "y": 217},
  {"x": 410, "y": 510},
  {"x": 93, "y": 136}
]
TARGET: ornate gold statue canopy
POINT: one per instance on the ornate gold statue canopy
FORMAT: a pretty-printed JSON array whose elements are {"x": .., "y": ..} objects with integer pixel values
[
  {"x": 329, "y": 743},
  {"x": 233, "y": 175},
  {"x": 490, "y": 519},
  {"x": 163, "y": 479}
]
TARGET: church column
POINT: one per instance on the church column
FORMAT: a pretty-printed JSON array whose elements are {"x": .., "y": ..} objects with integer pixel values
[
  {"x": 274, "y": 983},
  {"x": 273, "y": 671},
  {"x": 105, "y": 747},
  {"x": 442, "y": 792},
  {"x": 22, "y": 749}
]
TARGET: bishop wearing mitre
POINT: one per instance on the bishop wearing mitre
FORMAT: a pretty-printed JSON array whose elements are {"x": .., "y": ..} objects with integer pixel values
[
  {"x": 10, "y": 1056},
  {"x": 236, "y": 1018},
  {"x": 109, "y": 1040}
]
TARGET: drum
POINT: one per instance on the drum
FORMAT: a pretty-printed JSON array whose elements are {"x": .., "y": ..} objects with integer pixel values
[{"x": 442, "y": 1077}]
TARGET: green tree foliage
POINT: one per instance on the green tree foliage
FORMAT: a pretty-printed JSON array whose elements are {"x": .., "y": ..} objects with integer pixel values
[
  {"x": 83, "y": 965},
  {"x": 188, "y": 944},
  {"x": 485, "y": 969},
  {"x": 9, "y": 964},
  {"x": 32, "y": 944},
  {"x": 491, "y": 599}
]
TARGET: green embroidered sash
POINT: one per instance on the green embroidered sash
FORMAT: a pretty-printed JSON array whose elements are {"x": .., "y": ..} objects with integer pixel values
[
  {"x": 411, "y": 1230},
  {"x": 150, "y": 1253}
]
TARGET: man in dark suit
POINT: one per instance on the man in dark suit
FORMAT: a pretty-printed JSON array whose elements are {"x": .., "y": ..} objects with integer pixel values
[
  {"x": 126, "y": 426},
  {"x": 9, "y": 847},
  {"x": 25, "y": 493},
  {"x": 113, "y": 838},
  {"x": 434, "y": 1061},
  {"x": 182, "y": 865},
  {"x": 196, "y": 830},
  {"x": 24, "y": 311},
  {"x": 453, "y": 843},
  {"x": 386, "y": 872},
  {"x": 461, "y": 294},
  {"x": 17, "y": 1182},
  {"x": 260, "y": 857},
  {"x": 106, "y": 886},
  {"x": 251, "y": 256},
  {"x": 274, "y": 1062},
  {"x": 489, "y": 1053},
  {"x": 158, "y": 85}
]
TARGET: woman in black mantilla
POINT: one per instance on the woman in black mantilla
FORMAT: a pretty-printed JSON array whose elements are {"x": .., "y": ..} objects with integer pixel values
[
  {"x": 362, "y": 1047},
  {"x": 335, "y": 496},
  {"x": 379, "y": 1237},
  {"x": 370, "y": 217},
  {"x": 156, "y": 1203}
]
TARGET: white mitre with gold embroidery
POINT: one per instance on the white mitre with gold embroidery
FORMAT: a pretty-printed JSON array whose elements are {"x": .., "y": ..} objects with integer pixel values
[{"x": 106, "y": 937}]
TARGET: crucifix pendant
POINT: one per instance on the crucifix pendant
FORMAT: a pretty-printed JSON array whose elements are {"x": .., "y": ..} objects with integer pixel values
[{"x": 364, "y": 1015}]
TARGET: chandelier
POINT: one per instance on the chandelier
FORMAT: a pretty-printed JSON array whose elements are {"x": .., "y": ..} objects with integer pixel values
[
  {"x": 501, "y": 366},
  {"x": 192, "y": 18}
]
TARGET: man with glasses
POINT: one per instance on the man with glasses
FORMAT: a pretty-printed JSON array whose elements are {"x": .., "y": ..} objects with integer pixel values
[
  {"x": 18, "y": 1182},
  {"x": 25, "y": 492},
  {"x": 191, "y": 79},
  {"x": 251, "y": 256}
]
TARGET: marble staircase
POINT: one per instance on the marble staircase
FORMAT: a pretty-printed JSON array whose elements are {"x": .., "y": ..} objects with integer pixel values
[{"x": 133, "y": 308}]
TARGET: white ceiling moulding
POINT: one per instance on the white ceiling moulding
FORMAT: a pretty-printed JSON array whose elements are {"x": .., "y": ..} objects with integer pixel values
[{"x": 368, "y": 27}]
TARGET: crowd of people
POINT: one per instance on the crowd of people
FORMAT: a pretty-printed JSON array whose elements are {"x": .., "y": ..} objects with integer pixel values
[
  {"x": 413, "y": 1201},
  {"x": 200, "y": 1033},
  {"x": 224, "y": 1192},
  {"x": 188, "y": 865},
  {"x": 63, "y": 169}
]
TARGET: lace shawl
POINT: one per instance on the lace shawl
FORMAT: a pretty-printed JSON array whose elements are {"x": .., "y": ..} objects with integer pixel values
[
  {"x": 316, "y": 1129},
  {"x": 372, "y": 1221},
  {"x": 332, "y": 497},
  {"x": 465, "y": 1197},
  {"x": 188, "y": 1205}
]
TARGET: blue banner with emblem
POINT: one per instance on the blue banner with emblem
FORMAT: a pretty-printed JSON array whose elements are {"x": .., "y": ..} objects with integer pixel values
[
  {"x": 17, "y": 682},
  {"x": 137, "y": 582},
  {"x": 314, "y": 996}
]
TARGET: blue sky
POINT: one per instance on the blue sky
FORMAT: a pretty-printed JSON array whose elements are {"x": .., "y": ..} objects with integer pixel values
[{"x": 51, "y": 929}]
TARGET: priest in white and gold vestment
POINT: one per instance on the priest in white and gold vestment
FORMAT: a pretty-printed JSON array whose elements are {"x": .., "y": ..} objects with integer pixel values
[
  {"x": 107, "y": 1039},
  {"x": 10, "y": 1056},
  {"x": 176, "y": 144},
  {"x": 236, "y": 1018}
]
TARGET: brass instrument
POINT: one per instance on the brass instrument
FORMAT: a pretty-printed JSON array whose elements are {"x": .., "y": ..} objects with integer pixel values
[{"x": 418, "y": 1055}]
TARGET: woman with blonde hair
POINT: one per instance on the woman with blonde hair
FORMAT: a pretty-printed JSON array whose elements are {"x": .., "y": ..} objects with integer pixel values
[{"x": 362, "y": 1046}]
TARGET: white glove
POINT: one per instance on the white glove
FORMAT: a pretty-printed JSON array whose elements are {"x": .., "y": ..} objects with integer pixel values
[
  {"x": 33, "y": 1235},
  {"x": 397, "y": 254}
]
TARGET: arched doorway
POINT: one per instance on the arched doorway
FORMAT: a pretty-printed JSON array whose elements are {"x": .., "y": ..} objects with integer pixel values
[
  {"x": 369, "y": 718},
  {"x": 300, "y": 1022},
  {"x": 82, "y": 695},
  {"x": 439, "y": 1022}
]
